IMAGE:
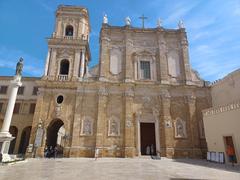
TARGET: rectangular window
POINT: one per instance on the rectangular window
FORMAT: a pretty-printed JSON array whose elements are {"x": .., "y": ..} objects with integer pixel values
[
  {"x": 16, "y": 108},
  {"x": 32, "y": 108},
  {"x": 3, "y": 89},
  {"x": 35, "y": 90},
  {"x": 145, "y": 70},
  {"x": 21, "y": 90},
  {"x": 1, "y": 106}
]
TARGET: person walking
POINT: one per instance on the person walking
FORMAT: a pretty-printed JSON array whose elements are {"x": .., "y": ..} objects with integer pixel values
[
  {"x": 96, "y": 153},
  {"x": 231, "y": 154}
]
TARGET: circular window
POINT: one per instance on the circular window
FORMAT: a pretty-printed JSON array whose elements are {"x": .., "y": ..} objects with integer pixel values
[{"x": 60, "y": 99}]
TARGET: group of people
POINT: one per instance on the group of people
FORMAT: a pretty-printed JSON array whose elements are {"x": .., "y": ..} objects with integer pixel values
[
  {"x": 150, "y": 150},
  {"x": 51, "y": 151}
]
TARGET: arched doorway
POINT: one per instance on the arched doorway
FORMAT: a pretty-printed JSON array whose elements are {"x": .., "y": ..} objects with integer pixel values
[
  {"x": 55, "y": 135},
  {"x": 14, "y": 132},
  {"x": 24, "y": 140}
]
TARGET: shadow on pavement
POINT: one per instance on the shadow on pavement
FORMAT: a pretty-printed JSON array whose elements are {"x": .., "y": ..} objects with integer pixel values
[{"x": 205, "y": 163}]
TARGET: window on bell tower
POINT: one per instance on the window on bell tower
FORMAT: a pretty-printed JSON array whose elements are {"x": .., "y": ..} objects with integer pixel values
[
  {"x": 69, "y": 31},
  {"x": 64, "y": 67}
]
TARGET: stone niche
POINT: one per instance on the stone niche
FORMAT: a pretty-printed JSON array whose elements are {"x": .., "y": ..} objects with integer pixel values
[
  {"x": 173, "y": 63},
  {"x": 115, "y": 61}
]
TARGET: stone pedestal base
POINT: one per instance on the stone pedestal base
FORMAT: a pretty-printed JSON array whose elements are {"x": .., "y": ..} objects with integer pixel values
[{"x": 5, "y": 139}]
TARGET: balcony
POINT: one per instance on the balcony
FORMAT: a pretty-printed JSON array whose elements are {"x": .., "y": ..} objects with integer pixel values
[{"x": 63, "y": 77}]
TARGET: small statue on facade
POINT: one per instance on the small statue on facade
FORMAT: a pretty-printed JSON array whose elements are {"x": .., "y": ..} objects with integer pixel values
[
  {"x": 19, "y": 67},
  {"x": 180, "y": 24},
  {"x": 159, "y": 23},
  {"x": 105, "y": 19},
  {"x": 128, "y": 21}
]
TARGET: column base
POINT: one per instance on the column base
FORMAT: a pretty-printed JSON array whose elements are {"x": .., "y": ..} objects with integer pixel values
[{"x": 5, "y": 139}]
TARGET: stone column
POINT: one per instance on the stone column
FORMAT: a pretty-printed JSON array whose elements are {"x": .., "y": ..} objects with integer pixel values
[
  {"x": 76, "y": 64},
  {"x": 129, "y": 128},
  {"x": 5, "y": 136},
  {"x": 53, "y": 65},
  {"x": 82, "y": 64},
  {"x": 138, "y": 117},
  {"x": 101, "y": 119},
  {"x": 47, "y": 63}
]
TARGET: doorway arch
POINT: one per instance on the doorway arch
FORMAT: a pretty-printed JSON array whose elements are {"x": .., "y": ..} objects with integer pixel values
[
  {"x": 52, "y": 132},
  {"x": 24, "y": 140},
  {"x": 14, "y": 132}
]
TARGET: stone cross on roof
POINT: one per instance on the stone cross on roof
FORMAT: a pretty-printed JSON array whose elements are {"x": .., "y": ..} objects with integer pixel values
[{"x": 143, "y": 18}]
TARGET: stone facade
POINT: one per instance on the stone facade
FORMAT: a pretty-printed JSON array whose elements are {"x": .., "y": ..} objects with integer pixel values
[
  {"x": 143, "y": 78},
  {"x": 104, "y": 108}
]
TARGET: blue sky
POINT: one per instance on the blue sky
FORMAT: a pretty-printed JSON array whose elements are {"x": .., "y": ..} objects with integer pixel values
[{"x": 213, "y": 28}]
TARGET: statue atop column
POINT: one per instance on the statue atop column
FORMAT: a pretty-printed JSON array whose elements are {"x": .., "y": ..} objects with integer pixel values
[
  {"x": 105, "y": 19},
  {"x": 159, "y": 23},
  {"x": 128, "y": 21},
  {"x": 19, "y": 67}
]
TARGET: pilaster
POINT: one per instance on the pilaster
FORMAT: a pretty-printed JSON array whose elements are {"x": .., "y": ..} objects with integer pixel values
[
  {"x": 129, "y": 127},
  {"x": 162, "y": 58},
  {"x": 128, "y": 55},
  {"x": 101, "y": 119}
]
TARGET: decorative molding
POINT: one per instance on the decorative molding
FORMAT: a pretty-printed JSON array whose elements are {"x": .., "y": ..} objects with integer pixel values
[
  {"x": 103, "y": 91},
  {"x": 221, "y": 109}
]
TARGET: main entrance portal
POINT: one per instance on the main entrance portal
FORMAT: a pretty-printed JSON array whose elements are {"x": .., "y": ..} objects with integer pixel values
[{"x": 148, "y": 140}]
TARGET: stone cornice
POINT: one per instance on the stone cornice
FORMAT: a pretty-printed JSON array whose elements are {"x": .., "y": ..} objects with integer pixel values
[{"x": 221, "y": 109}]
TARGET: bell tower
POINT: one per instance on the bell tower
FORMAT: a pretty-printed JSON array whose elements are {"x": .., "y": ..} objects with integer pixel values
[{"x": 68, "y": 47}]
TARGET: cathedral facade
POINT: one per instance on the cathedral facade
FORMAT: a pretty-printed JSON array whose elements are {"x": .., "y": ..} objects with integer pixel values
[{"x": 143, "y": 93}]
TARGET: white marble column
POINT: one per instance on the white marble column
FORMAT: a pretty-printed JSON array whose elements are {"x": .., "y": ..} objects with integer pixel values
[
  {"x": 82, "y": 64},
  {"x": 5, "y": 136}
]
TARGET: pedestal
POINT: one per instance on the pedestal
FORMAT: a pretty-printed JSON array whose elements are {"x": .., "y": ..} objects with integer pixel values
[{"x": 4, "y": 146}]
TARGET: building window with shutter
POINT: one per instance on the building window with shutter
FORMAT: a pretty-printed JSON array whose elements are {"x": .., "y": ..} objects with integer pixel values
[
  {"x": 16, "y": 108},
  {"x": 3, "y": 89},
  {"x": 32, "y": 108},
  {"x": 145, "y": 72},
  {"x": 20, "y": 90}
]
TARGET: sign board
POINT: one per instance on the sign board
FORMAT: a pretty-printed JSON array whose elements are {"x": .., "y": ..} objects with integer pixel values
[
  {"x": 30, "y": 148},
  {"x": 38, "y": 138}
]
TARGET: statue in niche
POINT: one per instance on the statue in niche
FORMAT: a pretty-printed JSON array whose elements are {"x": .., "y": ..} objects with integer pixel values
[
  {"x": 87, "y": 127},
  {"x": 19, "y": 67},
  {"x": 180, "y": 129},
  {"x": 113, "y": 128}
]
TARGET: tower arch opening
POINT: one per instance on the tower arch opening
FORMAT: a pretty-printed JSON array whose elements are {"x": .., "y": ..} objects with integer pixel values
[
  {"x": 64, "y": 67},
  {"x": 69, "y": 30}
]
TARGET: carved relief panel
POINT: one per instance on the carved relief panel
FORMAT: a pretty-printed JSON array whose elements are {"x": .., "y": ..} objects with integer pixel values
[
  {"x": 87, "y": 126},
  {"x": 114, "y": 126}
]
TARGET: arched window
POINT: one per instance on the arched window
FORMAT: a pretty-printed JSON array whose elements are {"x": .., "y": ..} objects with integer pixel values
[
  {"x": 69, "y": 31},
  {"x": 64, "y": 67}
]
